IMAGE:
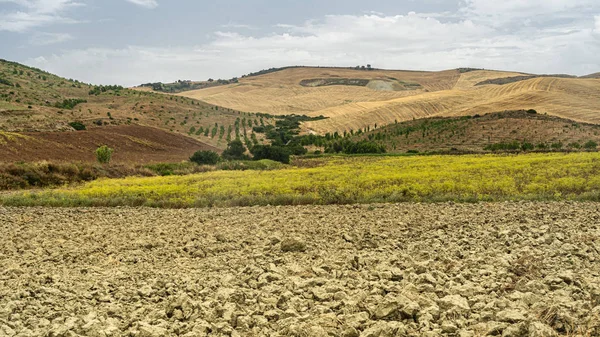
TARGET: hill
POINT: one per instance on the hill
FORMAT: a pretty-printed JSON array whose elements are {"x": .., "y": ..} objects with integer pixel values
[
  {"x": 499, "y": 131},
  {"x": 353, "y": 99},
  {"x": 32, "y": 100}
]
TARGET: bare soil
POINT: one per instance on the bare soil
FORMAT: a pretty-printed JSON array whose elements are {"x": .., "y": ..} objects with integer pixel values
[
  {"x": 132, "y": 144},
  {"x": 504, "y": 269}
]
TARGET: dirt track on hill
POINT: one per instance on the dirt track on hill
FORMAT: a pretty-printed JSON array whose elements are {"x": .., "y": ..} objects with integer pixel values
[{"x": 506, "y": 269}]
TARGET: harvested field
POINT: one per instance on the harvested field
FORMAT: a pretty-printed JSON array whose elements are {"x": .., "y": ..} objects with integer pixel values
[
  {"x": 510, "y": 269},
  {"x": 445, "y": 93}
]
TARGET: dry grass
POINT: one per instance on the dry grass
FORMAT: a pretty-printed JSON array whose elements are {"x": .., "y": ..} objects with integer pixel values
[
  {"x": 281, "y": 93},
  {"x": 569, "y": 98},
  {"x": 30, "y": 107},
  {"x": 446, "y": 93}
]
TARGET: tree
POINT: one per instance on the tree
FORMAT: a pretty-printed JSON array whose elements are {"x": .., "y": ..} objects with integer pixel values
[
  {"x": 205, "y": 157},
  {"x": 276, "y": 153},
  {"x": 103, "y": 154},
  {"x": 235, "y": 151},
  {"x": 77, "y": 126}
]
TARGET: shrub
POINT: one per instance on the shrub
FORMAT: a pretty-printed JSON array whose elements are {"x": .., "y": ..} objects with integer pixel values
[
  {"x": 69, "y": 103},
  {"x": 350, "y": 147},
  {"x": 77, "y": 126},
  {"x": 527, "y": 146},
  {"x": 531, "y": 111},
  {"x": 103, "y": 154},
  {"x": 5, "y": 82},
  {"x": 205, "y": 157},
  {"x": 590, "y": 145}
]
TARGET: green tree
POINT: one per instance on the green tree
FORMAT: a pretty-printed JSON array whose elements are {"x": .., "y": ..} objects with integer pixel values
[
  {"x": 104, "y": 154},
  {"x": 277, "y": 153},
  {"x": 235, "y": 150},
  {"x": 205, "y": 157}
]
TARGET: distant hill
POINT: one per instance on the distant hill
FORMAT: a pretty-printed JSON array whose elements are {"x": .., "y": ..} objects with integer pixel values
[
  {"x": 594, "y": 75},
  {"x": 354, "y": 99},
  {"x": 476, "y": 133}
]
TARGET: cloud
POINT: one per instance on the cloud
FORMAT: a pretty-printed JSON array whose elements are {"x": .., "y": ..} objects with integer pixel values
[
  {"x": 45, "y": 39},
  {"x": 238, "y": 26},
  {"x": 36, "y": 13},
  {"x": 597, "y": 25},
  {"x": 413, "y": 41},
  {"x": 145, "y": 3}
]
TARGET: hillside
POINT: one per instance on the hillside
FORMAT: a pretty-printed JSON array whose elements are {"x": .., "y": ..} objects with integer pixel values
[
  {"x": 354, "y": 99},
  {"x": 32, "y": 100},
  {"x": 133, "y": 144},
  {"x": 476, "y": 133}
]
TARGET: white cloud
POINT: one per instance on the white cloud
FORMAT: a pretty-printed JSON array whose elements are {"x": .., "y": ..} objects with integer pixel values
[
  {"x": 597, "y": 25},
  {"x": 413, "y": 41},
  {"x": 36, "y": 13},
  {"x": 145, "y": 3},
  {"x": 45, "y": 39}
]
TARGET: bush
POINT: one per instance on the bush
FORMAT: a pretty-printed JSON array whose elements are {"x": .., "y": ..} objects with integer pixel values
[
  {"x": 235, "y": 151},
  {"x": 276, "y": 153},
  {"x": 103, "y": 154},
  {"x": 527, "y": 146},
  {"x": 5, "y": 82},
  {"x": 350, "y": 147},
  {"x": 77, "y": 126},
  {"x": 590, "y": 145},
  {"x": 205, "y": 157},
  {"x": 69, "y": 103}
]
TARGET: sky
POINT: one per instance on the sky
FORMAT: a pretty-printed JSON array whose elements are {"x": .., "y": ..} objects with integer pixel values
[{"x": 129, "y": 42}]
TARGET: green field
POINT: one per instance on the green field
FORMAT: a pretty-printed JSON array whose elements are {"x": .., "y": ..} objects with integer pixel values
[{"x": 340, "y": 180}]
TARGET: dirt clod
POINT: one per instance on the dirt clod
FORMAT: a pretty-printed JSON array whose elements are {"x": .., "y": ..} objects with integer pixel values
[{"x": 410, "y": 270}]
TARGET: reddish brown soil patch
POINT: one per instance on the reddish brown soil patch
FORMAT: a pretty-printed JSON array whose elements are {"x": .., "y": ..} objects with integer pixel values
[{"x": 132, "y": 144}]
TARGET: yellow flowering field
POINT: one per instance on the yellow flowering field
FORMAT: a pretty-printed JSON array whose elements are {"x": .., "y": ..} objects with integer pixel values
[{"x": 553, "y": 176}]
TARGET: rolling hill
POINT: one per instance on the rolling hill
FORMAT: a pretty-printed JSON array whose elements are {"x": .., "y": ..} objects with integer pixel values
[
  {"x": 354, "y": 99},
  {"x": 478, "y": 133},
  {"x": 32, "y": 100}
]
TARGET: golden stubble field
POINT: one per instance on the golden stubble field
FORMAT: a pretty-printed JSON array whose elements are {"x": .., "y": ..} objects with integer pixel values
[{"x": 445, "y": 93}]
